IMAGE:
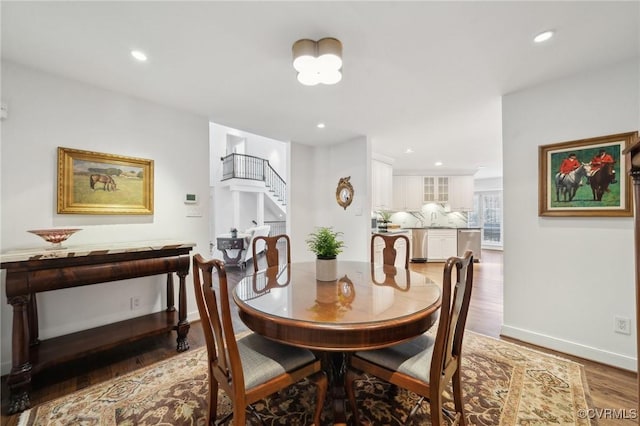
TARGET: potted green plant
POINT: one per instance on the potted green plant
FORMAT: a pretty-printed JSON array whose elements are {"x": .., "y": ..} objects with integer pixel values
[
  {"x": 385, "y": 218},
  {"x": 326, "y": 244}
]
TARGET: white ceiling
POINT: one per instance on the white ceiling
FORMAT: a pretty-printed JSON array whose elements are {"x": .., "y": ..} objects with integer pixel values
[{"x": 425, "y": 75}]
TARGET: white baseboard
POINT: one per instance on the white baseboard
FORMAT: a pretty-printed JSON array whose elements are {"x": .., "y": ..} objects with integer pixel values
[{"x": 572, "y": 348}]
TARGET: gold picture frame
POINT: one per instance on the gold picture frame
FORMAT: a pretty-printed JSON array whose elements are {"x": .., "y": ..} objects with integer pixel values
[
  {"x": 108, "y": 184},
  {"x": 583, "y": 192},
  {"x": 344, "y": 192}
]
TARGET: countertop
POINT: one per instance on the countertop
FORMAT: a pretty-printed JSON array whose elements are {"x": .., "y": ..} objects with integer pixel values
[
  {"x": 88, "y": 250},
  {"x": 435, "y": 227}
]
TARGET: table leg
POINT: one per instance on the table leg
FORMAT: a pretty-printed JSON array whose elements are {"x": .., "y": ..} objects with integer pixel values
[
  {"x": 32, "y": 315},
  {"x": 19, "y": 379},
  {"x": 334, "y": 364},
  {"x": 183, "y": 324},
  {"x": 170, "y": 294}
]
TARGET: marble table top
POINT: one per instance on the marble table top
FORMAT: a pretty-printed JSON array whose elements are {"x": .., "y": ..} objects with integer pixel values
[{"x": 89, "y": 249}]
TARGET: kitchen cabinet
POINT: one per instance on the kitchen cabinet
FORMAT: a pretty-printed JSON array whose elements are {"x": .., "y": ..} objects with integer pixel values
[
  {"x": 400, "y": 246},
  {"x": 435, "y": 189},
  {"x": 441, "y": 244},
  {"x": 407, "y": 193},
  {"x": 461, "y": 193},
  {"x": 382, "y": 179}
]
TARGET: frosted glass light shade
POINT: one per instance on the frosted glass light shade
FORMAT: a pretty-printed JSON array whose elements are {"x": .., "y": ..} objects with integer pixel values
[
  {"x": 304, "y": 55},
  {"x": 318, "y": 62},
  {"x": 329, "y": 54},
  {"x": 308, "y": 78},
  {"x": 330, "y": 77}
]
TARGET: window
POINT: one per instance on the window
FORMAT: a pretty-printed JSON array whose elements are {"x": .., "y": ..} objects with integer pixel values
[{"x": 487, "y": 214}]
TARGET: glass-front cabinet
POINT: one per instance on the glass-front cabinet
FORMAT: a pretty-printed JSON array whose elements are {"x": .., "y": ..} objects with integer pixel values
[{"x": 435, "y": 189}]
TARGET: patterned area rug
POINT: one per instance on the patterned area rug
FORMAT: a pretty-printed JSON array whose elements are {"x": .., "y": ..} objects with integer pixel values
[{"x": 504, "y": 384}]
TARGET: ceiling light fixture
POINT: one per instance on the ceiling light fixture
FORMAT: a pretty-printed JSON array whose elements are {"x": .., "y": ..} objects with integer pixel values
[
  {"x": 543, "y": 36},
  {"x": 438, "y": 163},
  {"x": 139, "y": 55},
  {"x": 408, "y": 151},
  {"x": 320, "y": 126},
  {"x": 318, "y": 61}
]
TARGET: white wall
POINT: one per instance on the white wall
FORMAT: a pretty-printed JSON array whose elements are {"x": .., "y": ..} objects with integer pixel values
[
  {"x": 566, "y": 278},
  {"x": 315, "y": 172},
  {"x": 45, "y": 112}
]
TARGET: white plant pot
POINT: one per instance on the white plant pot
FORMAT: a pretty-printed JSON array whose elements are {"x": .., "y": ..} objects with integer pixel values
[{"x": 326, "y": 269}]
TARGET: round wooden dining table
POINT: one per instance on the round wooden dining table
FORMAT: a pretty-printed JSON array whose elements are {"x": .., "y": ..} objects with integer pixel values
[{"x": 369, "y": 306}]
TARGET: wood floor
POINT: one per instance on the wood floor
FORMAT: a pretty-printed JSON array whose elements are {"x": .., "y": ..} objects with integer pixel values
[{"x": 611, "y": 388}]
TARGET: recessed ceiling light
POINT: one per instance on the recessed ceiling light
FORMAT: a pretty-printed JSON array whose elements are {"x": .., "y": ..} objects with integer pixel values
[
  {"x": 543, "y": 36},
  {"x": 438, "y": 163},
  {"x": 408, "y": 151},
  {"x": 320, "y": 126},
  {"x": 139, "y": 55}
]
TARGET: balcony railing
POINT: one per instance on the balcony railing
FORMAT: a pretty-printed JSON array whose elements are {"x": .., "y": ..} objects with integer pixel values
[{"x": 241, "y": 166}]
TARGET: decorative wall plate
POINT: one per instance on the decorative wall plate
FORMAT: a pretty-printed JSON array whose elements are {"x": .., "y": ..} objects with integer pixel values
[{"x": 344, "y": 192}]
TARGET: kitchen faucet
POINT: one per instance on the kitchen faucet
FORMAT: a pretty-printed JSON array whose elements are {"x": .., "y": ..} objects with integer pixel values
[{"x": 434, "y": 216}]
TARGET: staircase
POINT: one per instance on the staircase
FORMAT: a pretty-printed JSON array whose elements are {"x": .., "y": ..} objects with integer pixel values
[{"x": 249, "y": 167}]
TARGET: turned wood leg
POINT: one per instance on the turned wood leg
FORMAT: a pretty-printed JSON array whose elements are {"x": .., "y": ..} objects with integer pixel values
[
  {"x": 19, "y": 379},
  {"x": 334, "y": 364},
  {"x": 170, "y": 295},
  {"x": 183, "y": 325},
  {"x": 32, "y": 315}
]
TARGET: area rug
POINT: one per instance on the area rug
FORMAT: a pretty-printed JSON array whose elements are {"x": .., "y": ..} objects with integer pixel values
[{"x": 503, "y": 384}]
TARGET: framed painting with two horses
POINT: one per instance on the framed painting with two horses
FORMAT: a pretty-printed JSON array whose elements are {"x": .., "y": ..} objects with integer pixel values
[
  {"x": 586, "y": 177},
  {"x": 98, "y": 183}
]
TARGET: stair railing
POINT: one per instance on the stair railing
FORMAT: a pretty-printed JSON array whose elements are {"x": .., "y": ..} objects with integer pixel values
[{"x": 241, "y": 166}]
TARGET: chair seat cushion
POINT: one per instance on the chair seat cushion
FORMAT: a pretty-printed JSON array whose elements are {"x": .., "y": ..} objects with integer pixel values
[
  {"x": 412, "y": 358},
  {"x": 263, "y": 359}
]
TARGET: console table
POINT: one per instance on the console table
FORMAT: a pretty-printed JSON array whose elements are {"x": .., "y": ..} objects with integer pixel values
[
  {"x": 33, "y": 271},
  {"x": 226, "y": 242}
]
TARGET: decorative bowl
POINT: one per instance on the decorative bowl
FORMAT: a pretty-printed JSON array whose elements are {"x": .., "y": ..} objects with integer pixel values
[{"x": 54, "y": 236}]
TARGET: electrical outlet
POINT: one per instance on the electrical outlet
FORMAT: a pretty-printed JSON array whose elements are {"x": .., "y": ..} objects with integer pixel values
[
  {"x": 621, "y": 325},
  {"x": 135, "y": 303}
]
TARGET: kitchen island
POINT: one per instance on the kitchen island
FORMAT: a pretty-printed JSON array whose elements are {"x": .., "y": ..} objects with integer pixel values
[{"x": 438, "y": 243}]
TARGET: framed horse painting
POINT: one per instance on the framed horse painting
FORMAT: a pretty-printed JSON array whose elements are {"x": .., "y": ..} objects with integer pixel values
[
  {"x": 98, "y": 183},
  {"x": 586, "y": 177}
]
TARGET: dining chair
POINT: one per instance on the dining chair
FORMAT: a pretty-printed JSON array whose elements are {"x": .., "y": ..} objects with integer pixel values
[
  {"x": 425, "y": 365},
  {"x": 251, "y": 368},
  {"x": 271, "y": 250},
  {"x": 389, "y": 252}
]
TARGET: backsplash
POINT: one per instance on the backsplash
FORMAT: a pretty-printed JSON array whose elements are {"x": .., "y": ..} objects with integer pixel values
[{"x": 431, "y": 215}]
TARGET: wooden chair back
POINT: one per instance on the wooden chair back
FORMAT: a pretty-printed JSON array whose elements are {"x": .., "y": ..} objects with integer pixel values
[
  {"x": 456, "y": 295},
  {"x": 225, "y": 364},
  {"x": 225, "y": 368},
  {"x": 389, "y": 251},
  {"x": 271, "y": 250},
  {"x": 444, "y": 351}
]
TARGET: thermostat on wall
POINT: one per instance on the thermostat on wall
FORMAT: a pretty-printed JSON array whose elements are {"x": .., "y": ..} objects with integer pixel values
[{"x": 190, "y": 198}]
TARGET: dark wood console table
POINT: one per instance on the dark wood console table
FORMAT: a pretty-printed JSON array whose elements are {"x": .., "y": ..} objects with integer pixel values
[
  {"x": 34, "y": 271},
  {"x": 226, "y": 243}
]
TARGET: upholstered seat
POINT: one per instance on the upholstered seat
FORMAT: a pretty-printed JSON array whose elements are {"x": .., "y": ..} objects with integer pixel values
[{"x": 263, "y": 359}]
